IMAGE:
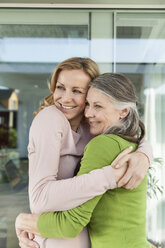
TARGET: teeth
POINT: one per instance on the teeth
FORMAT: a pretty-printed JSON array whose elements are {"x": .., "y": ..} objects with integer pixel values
[{"x": 65, "y": 107}]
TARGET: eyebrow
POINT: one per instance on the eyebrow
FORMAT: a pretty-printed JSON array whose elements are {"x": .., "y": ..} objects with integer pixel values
[
  {"x": 76, "y": 87},
  {"x": 59, "y": 82},
  {"x": 97, "y": 103},
  {"x": 94, "y": 102}
]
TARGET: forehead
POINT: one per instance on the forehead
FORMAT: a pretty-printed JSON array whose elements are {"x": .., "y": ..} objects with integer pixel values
[
  {"x": 95, "y": 95},
  {"x": 73, "y": 78}
]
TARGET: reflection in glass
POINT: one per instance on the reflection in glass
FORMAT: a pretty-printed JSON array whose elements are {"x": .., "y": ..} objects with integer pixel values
[
  {"x": 8, "y": 118},
  {"x": 139, "y": 53},
  {"x": 42, "y": 44},
  {"x": 28, "y": 56}
]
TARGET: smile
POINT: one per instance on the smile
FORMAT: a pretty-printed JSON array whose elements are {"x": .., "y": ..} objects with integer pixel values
[
  {"x": 92, "y": 123},
  {"x": 66, "y": 107}
]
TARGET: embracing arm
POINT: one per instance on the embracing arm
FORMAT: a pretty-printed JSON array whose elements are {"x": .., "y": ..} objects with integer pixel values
[
  {"x": 46, "y": 193},
  {"x": 145, "y": 148},
  {"x": 70, "y": 223},
  {"x": 138, "y": 164},
  {"x": 100, "y": 151}
]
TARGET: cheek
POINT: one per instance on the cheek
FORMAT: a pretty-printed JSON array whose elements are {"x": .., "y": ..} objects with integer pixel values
[
  {"x": 106, "y": 119},
  {"x": 101, "y": 116},
  {"x": 56, "y": 96},
  {"x": 85, "y": 111},
  {"x": 81, "y": 101},
  {"x": 114, "y": 118}
]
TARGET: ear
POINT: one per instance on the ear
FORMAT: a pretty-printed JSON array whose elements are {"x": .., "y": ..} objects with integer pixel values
[{"x": 123, "y": 113}]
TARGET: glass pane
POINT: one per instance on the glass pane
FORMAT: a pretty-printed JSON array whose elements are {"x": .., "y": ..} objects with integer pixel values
[
  {"x": 140, "y": 47},
  {"x": 102, "y": 40},
  {"x": 32, "y": 43},
  {"x": 28, "y": 56}
]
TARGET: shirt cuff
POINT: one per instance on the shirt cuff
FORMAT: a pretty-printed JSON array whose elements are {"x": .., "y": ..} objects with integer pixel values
[{"x": 109, "y": 174}]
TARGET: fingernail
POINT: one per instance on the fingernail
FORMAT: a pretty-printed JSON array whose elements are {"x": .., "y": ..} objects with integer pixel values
[
  {"x": 131, "y": 147},
  {"x": 117, "y": 166}
]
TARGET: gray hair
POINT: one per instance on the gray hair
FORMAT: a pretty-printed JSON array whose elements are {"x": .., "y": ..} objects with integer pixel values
[{"x": 121, "y": 92}]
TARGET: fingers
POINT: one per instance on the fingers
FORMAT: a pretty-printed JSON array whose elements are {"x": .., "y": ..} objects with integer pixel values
[
  {"x": 125, "y": 179},
  {"x": 22, "y": 245},
  {"x": 130, "y": 180},
  {"x": 31, "y": 236},
  {"x": 25, "y": 242},
  {"x": 119, "y": 173},
  {"x": 121, "y": 158},
  {"x": 131, "y": 184},
  {"x": 137, "y": 168}
]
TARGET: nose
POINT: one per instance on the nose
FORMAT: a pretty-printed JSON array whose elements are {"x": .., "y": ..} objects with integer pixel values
[
  {"x": 67, "y": 96},
  {"x": 89, "y": 112}
]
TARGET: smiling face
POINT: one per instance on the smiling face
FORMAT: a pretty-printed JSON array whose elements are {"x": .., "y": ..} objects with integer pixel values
[
  {"x": 70, "y": 94},
  {"x": 101, "y": 111}
]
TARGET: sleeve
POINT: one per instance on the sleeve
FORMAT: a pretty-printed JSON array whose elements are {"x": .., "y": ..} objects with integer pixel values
[
  {"x": 146, "y": 148},
  {"x": 70, "y": 223},
  {"x": 46, "y": 193}
]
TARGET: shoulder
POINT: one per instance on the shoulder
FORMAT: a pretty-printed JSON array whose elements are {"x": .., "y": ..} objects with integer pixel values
[
  {"x": 50, "y": 118},
  {"x": 103, "y": 139},
  {"x": 100, "y": 151},
  {"x": 102, "y": 146},
  {"x": 105, "y": 142},
  {"x": 51, "y": 112}
]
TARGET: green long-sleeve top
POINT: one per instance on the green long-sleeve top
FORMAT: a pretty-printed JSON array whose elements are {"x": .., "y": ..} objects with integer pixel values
[{"x": 116, "y": 219}]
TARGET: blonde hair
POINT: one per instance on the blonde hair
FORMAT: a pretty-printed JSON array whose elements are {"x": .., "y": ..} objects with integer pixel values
[{"x": 76, "y": 63}]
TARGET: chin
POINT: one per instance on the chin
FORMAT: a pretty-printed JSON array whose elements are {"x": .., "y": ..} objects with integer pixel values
[{"x": 94, "y": 132}]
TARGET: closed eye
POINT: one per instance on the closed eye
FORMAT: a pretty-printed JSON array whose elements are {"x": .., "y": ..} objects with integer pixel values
[
  {"x": 59, "y": 87},
  {"x": 98, "y": 106},
  {"x": 77, "y": 91}
]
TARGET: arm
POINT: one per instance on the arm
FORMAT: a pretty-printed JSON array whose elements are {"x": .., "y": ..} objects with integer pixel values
[
  {"x": 46, "y": 193},
  {"x": 70, "y": 223},
  {"x": 145, "y": 148},
  {"x": 138, "y": 164}
]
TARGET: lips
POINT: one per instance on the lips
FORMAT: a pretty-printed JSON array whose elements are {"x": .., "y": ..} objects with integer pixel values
[
  {"x": 92, "y": 123},
  {"x": 66, "y": 107}
]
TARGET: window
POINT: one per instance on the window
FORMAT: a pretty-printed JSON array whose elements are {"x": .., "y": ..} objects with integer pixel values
[
  {"x": 139, "y": 54},
  {"x": 32, "y": 43}
]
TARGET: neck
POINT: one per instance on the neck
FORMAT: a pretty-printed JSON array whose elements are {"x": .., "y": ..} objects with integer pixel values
[
  {"x": 74, "y": 128},
  {"x": 75, "y": 123}
]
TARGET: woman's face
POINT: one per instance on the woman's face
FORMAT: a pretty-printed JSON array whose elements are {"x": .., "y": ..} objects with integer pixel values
[
  {"x": 70, "y": 94},
  {"x": 101, "y": 111}
]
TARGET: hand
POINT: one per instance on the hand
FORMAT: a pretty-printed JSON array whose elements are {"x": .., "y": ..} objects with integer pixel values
[
  {"x": 26, "y": 240},
  {"x": 26, "y": 222},
  {"x": 119, "y": 173},
  {"x": 121, "y": 159},
  {"x": 138, "y": 165}
]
